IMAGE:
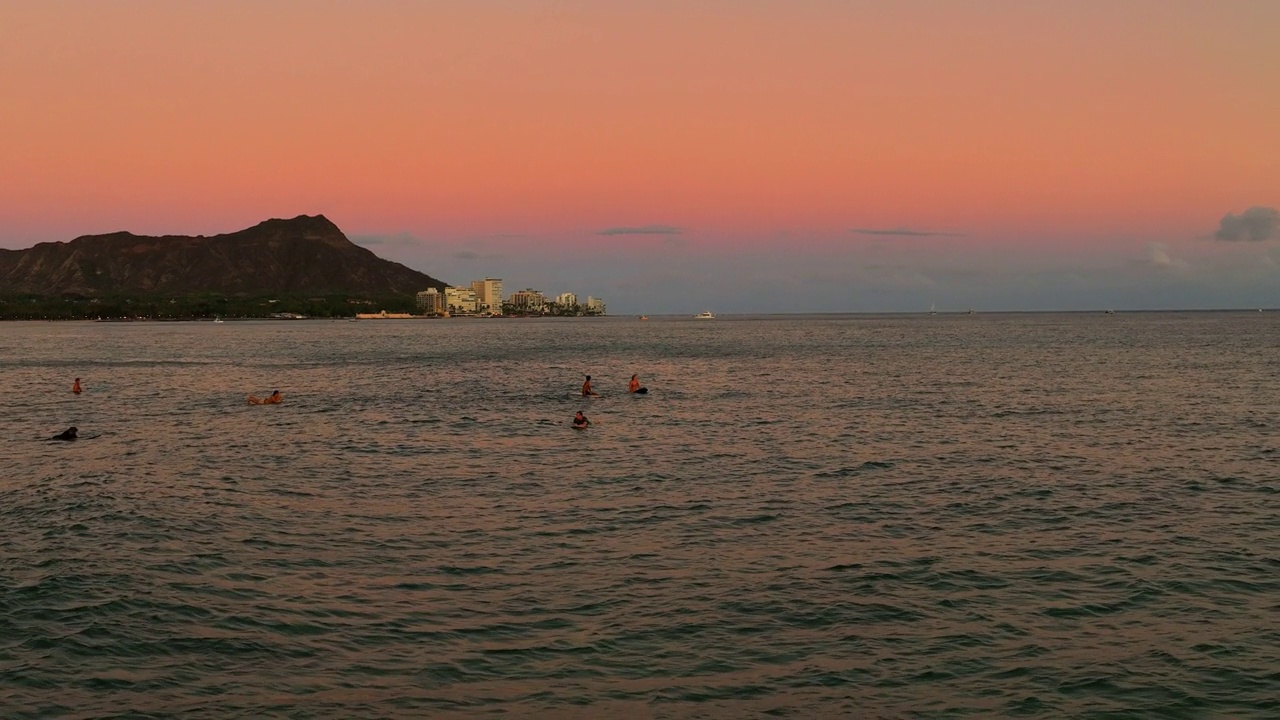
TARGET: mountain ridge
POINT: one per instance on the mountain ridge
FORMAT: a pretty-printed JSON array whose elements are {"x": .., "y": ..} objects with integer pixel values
[{"x": 300, "y": 255}]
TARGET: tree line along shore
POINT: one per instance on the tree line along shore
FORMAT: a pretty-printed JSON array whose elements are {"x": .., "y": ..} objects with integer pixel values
[{"x": 196, "y": 307}]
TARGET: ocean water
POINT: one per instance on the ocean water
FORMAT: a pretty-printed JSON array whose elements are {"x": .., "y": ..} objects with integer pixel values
[{"x": 1022, "y": 515}]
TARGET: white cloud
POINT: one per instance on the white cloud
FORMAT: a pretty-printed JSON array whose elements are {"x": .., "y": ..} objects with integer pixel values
[{"x": 1157, "y": 255}]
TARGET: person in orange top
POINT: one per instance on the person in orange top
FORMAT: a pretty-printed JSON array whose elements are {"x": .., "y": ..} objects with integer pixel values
[
  {"x": 75, "y": 386},
  {"x": 634, "y": 386}
]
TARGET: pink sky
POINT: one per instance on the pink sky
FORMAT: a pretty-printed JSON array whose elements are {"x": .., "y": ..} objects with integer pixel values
[{"x": 1048, "y": 129}]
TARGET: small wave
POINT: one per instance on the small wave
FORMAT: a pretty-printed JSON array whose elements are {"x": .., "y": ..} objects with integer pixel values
[{"x": 868, "y": 466}]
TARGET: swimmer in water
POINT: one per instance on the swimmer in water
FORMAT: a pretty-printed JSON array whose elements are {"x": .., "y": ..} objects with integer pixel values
[
  {"x": 274, "y": 398},
  {"x": 75, "y": 386},
  {"x": 68, "y": 434},
  {"x": 580, "y": 421},
  {"x": 586, "y": 388}
]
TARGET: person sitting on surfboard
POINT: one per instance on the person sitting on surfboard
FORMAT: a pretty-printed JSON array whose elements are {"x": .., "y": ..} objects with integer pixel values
[
  {"x": 634, "y": 386},
  {"x": 68, "y": 434},
  {"x": 586, "y": 388},
  {"x": 75, "y": 386},
  {"x": 274, "y": 398},
  {"x": 580, "y": 421}
]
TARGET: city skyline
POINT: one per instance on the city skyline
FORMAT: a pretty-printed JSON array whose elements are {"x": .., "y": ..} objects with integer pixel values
[
  {"x": 478, "y": 297},
  {"x": 875, "y": 157}
]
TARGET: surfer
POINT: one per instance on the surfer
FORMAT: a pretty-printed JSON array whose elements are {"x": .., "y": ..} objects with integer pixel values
[
  {"x": 634, "y": 386},
  {"x": 580, "y": 421},
  {"x": 586, "y": 388},
  {"x": 68, "y": 434},
  {"x": 75, "y": 386},
  {"x": 274, "y": 398}
]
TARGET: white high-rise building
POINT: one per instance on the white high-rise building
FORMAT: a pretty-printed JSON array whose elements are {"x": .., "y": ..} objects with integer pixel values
[
  {"x": 566, "y": 300},
  {"x": 527, "y": 300},
  {"x": 488, "y": 294},
  {"x": 460, "y": 300},
  {"x": 493, "y": 295},
  {"x": 595, "y": 305},
  {"x": 432, "y": 302}
]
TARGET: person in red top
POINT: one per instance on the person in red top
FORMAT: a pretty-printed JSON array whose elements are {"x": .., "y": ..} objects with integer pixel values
[{"x": 75, "y": 386}]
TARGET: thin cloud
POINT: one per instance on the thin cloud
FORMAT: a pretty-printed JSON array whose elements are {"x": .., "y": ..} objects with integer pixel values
[
  {"x": 472, "y": 255},
  {"x": 498, "y": 236},
  {"x": 906, "y": 232},
  {"x": 1257, "y": 224},
  {"x": 642, "y": 230},
  {"x": 397, "y": 239}
]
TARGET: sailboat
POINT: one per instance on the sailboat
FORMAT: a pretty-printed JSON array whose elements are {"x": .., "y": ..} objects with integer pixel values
[{"x": 932, "y": 311}]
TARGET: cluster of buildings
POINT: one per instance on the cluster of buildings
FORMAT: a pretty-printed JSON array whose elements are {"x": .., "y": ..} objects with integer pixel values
[{"x": 484, "y": 297}]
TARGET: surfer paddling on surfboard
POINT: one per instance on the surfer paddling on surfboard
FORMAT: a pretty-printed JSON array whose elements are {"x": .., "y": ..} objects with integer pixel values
[
  {"x": 274, "y": 398},
  {"x": 68, "y": 434}
]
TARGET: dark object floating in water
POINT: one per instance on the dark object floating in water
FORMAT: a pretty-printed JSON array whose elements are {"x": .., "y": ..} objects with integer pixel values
[{"x": 68, "y": 434}]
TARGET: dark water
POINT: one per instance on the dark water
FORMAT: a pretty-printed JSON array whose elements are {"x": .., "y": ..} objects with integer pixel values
[{"x": 989, "y": 515}]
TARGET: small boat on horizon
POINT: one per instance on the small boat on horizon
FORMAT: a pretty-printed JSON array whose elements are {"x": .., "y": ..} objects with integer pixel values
[{"x": 705, "y": 315}]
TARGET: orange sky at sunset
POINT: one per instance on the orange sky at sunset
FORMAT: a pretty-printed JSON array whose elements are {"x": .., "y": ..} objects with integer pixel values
[{"x": 1097, "y": 135}]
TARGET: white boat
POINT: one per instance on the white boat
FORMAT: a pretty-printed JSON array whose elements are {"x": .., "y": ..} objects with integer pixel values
[
  {"x": 217, "y": 319},
  {"x": 705, "y": 315}
]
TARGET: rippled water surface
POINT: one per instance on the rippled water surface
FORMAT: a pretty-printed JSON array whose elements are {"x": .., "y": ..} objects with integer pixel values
[{"x": 810, "y": 517}]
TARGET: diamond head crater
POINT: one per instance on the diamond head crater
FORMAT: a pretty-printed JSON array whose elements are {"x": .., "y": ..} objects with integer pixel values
[{"x": 303, "y": 266}]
